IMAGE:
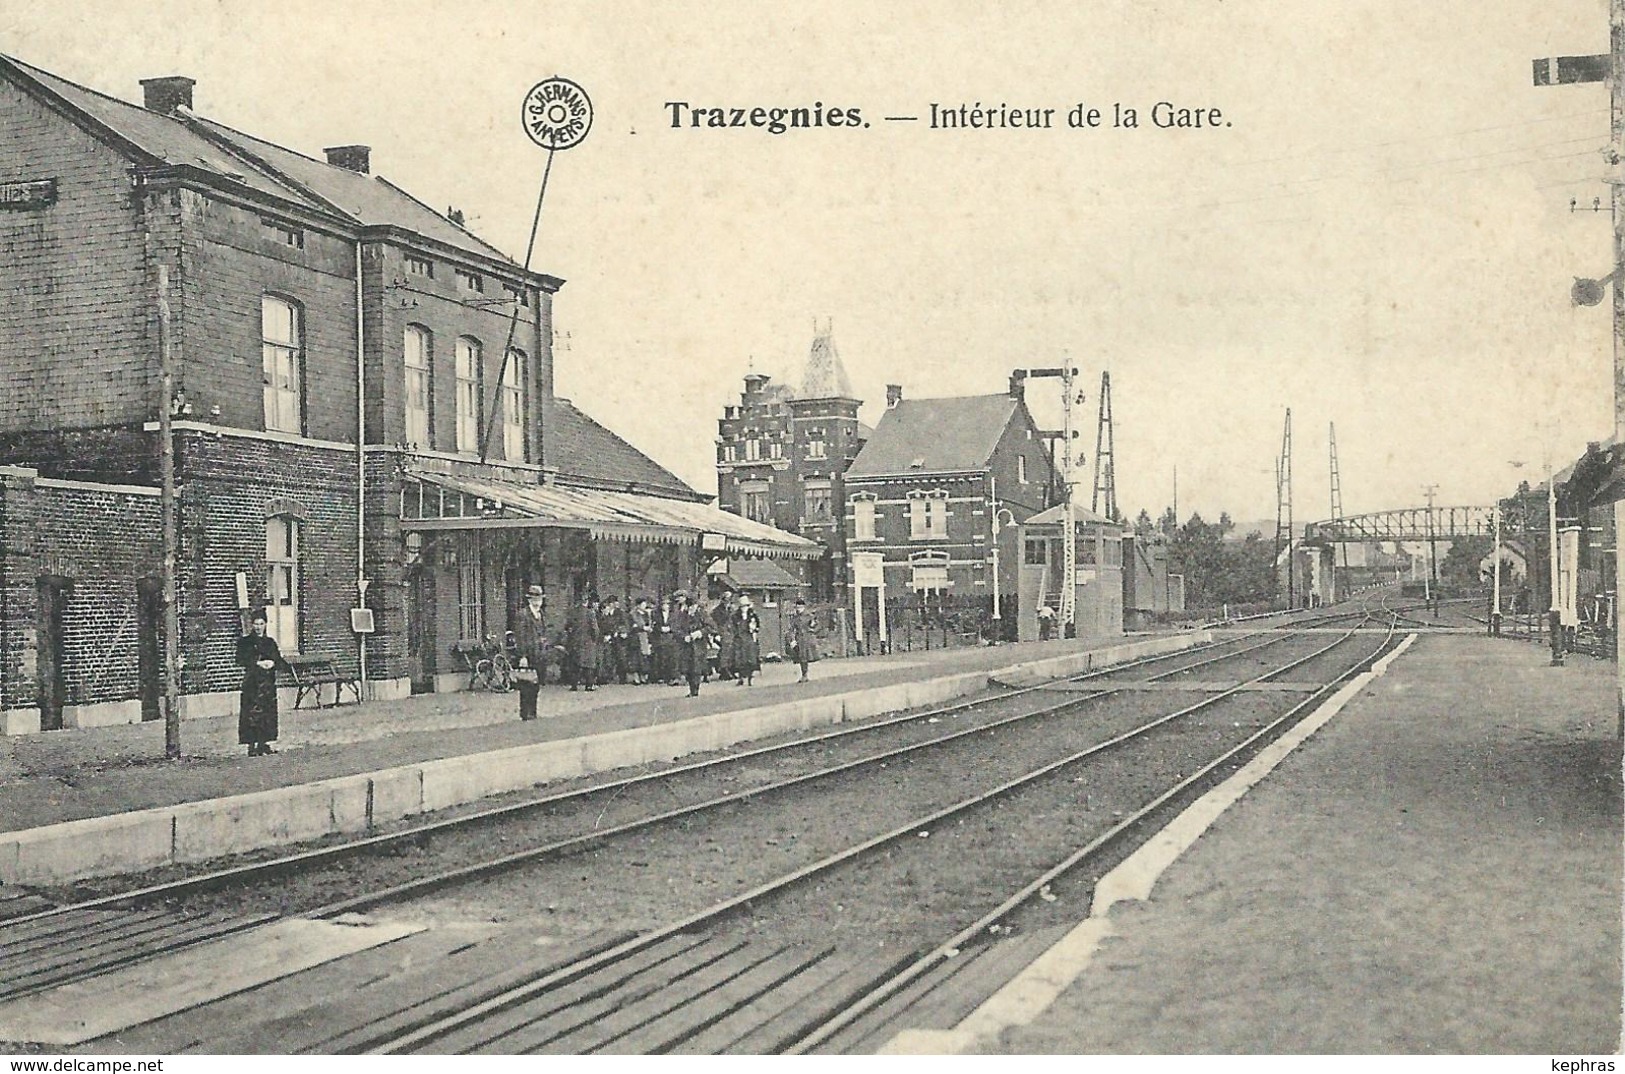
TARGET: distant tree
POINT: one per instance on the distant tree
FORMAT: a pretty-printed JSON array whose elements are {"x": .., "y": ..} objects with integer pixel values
[
  {"x": 1459, "y": 567},
  {"x": 1168, "y": 523},
  {"x": 1143, "y": 523}
]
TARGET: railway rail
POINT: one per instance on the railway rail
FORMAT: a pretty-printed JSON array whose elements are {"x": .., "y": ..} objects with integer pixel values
[{"x": 713, "y": 965}]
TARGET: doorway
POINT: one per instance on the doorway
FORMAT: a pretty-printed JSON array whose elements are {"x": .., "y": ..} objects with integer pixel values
[
  {"x": 149, "y": 630},
  {"x": 51, "y": 639}
]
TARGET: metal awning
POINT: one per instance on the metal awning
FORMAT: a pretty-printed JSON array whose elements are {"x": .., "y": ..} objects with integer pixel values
[{"x": 432, "y": 501}]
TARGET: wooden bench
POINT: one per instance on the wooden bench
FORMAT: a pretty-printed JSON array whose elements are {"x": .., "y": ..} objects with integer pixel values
[{"x": 308, "y": 674}]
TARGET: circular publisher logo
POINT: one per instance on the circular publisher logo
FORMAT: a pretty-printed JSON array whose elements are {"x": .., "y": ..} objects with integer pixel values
[{"x": 557, "y": 113}]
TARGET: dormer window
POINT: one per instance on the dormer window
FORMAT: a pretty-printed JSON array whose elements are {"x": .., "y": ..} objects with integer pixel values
[{"x": 286, "y": 234}]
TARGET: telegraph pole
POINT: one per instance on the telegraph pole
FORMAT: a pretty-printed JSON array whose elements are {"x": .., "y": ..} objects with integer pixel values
[{"x": 166, "y": 507}]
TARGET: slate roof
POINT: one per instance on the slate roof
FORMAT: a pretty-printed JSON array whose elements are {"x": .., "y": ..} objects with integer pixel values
[
  {"x": 825, "y": 377},
  {"x": 935, "y": 436},
  {"x": 580, "y": 448},
  {"x": 263, "y": 167}
]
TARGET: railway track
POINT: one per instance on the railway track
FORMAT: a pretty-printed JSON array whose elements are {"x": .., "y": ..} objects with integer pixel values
[{"x": 732, "y": 975}]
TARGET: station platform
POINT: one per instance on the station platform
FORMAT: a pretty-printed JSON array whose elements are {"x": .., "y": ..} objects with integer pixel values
[
  {"x": 76, "y": 804},
  {"x": 1435, "y": 870}
]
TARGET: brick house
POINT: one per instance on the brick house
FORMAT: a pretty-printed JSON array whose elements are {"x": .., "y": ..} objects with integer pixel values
[
  {"x": 363, "y": 395},
  {"x": 933, "y": 501},
  {"x": 782, "y": 456}
]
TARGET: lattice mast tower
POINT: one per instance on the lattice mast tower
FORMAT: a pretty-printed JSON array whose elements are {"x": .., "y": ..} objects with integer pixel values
[
  {"x": 1337, "y": 496},
  {"x": 1104, "y": 500},
  {"x": 1283, "y": 510}
]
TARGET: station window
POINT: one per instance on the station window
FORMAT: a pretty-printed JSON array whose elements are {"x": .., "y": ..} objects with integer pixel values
[
  {"x": 282, "y": 538},
  {"x": 419, "y": 349},
  {"x": 420, "y": 266},
  {"x": 282, "y": 338},
  {"x": 1035, "y": 553},
  {"x": 468, "y": 395},
  {"x": 471, "y": 280},
  {"x": 513, "y": 407}
]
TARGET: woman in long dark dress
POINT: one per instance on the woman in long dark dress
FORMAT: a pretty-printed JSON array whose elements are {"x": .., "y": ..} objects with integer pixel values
[
  {"x": 258, "y": 655},
  {"x": 747, "y": 647}
]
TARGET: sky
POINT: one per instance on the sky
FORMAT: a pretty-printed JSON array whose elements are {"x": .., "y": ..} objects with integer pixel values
[{"x": 1379, "y": 236}]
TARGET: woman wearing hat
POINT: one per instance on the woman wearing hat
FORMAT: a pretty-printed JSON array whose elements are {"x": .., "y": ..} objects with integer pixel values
[
  {"x": 530, "y": 642},
  {"x": 260, "y": 659},
  {"x": 747, "y": 646}
]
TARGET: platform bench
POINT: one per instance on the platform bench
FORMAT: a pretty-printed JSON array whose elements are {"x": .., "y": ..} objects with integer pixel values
[{"x": 308, "y": 674}]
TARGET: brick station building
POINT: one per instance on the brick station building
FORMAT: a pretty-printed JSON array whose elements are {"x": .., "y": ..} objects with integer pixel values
[{"x": 364, "y": 417}]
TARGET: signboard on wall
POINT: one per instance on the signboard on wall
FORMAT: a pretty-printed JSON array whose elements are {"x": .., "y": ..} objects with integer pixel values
[
  {"x": 26, "y": 194},
  {"x": 868, "y": 569}
]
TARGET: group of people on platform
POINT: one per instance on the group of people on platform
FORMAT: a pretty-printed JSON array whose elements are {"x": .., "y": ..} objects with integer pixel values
[{"x": 680, "y": 639}]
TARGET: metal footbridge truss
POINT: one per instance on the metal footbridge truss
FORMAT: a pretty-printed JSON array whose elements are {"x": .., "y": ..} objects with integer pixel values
[{"x": 1405, "y": 524}]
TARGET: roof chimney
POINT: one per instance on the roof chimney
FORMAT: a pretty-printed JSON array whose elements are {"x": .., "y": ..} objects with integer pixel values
[
  {"x": 894, "y": 395},
  {"x": 355, "y": 158},
  {"x": 164, "y": 95},
  {"x": 1018, "y": 384}
]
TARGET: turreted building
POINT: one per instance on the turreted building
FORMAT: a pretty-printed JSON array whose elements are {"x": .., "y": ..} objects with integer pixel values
[{"x": 782, "y": 455}]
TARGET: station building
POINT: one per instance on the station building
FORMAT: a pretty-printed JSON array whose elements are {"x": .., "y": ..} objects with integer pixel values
[{"x": 362, "y": 395}]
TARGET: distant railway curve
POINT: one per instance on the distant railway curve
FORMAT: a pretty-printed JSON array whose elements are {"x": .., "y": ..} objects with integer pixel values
[{"x": 1405, "y": 524}]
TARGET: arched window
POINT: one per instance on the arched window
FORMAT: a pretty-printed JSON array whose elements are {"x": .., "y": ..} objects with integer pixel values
[
  {"x": 418, "y": 358},
  {"x": 863, "y": 517},
  {"x": 283, "y": 355},
  {"x": 282, "y": 545},
  {"x": 468, "y": 394},
  {"x": 513, "y": 407}
]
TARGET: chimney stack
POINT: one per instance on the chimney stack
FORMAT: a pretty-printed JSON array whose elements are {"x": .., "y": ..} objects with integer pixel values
[
  {"x": 355, "y": 158},
  {"x": 1018, "y": 384},
  {"x": 894, "y": 395},
  {"x": 164, "y": 95}
]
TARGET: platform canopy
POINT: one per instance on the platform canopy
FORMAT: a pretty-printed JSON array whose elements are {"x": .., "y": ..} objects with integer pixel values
[{"x": 432, "y": 501}]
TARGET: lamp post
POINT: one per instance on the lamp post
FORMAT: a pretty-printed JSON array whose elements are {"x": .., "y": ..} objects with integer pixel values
[
  {"x": 998, "y": 513},
  {"x": 1554, "y": 618}
]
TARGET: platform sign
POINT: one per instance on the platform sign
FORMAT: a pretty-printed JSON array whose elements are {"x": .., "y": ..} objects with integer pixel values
[{"x": 557, "y": 113}]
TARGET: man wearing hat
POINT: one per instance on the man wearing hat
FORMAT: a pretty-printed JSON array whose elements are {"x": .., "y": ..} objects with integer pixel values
[
  {"x": 799, "y": 637},
  {"x": 260, "y": 659},
  {"x": 690, "y": 628},
  {"x": 530, "y": 643}
]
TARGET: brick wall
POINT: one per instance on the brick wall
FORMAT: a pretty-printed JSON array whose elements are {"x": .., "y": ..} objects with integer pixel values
[
  {"x": 74, "y": 335},
  {"x": 229, "y": 260},
  {"x": 447, "y": 308},
  {"x": 230, "y": 487},
  {"x": 103, "y": 541}
]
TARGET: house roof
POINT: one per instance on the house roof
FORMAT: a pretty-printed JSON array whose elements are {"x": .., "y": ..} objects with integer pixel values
[
  {"x": 935, "y": 436},
  {"x": 584, "y": 451},
  {"x": 264, "y": 168}
]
